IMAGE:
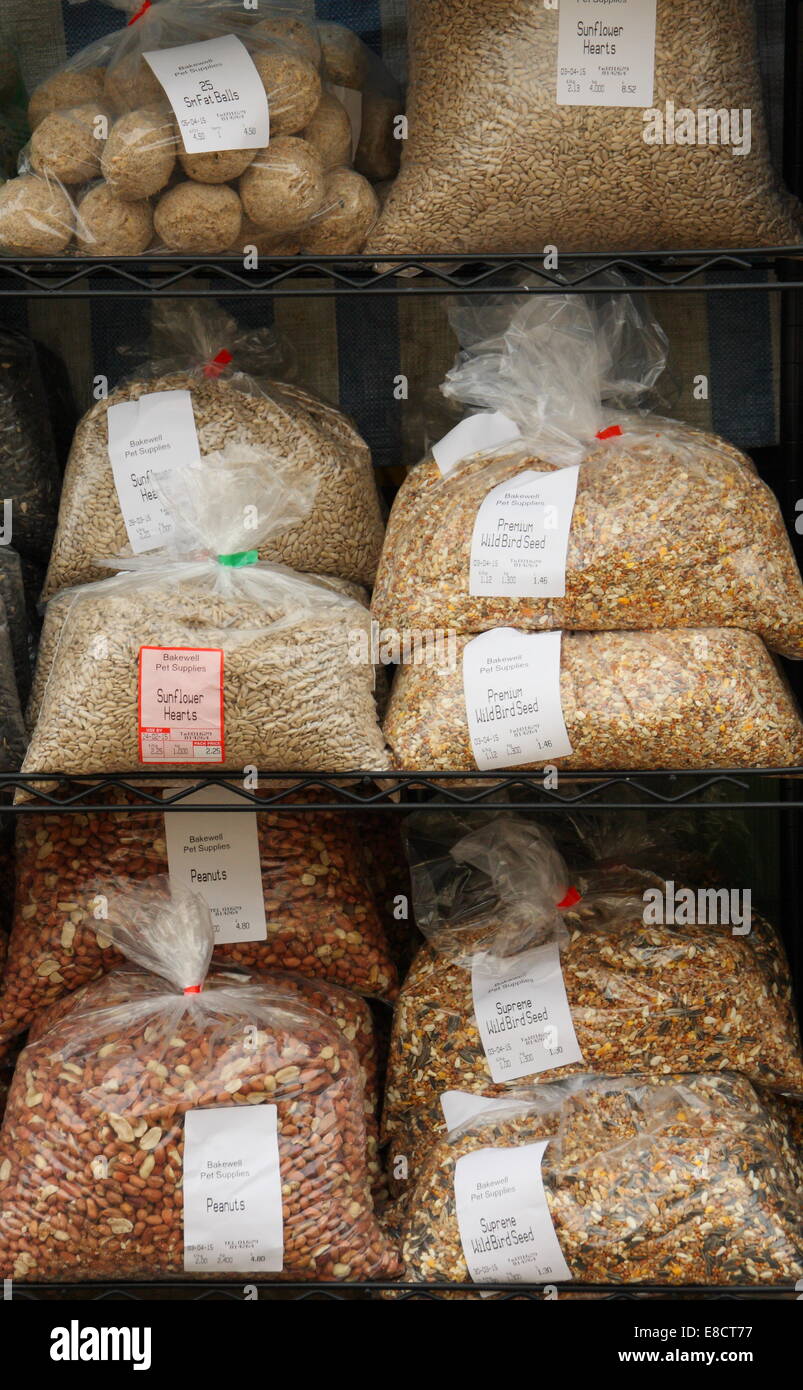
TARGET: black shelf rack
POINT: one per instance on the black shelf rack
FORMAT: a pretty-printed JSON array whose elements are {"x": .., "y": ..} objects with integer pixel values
[
  {"x": 777, "y": 788},
  {"x": 69, "y": 277},
  {"x": 696, "y": 271},
  {"x": 201, "y": 1292},
  {"x": 772, "y": 789}
]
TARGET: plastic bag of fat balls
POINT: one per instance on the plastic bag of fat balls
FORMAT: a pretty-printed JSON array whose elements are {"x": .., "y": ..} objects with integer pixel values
[{"x": 198, "y": 128}]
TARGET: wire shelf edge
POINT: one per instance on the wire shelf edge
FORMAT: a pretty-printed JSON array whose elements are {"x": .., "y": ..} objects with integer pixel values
[
  {"x": 396, "y": 791},
  {"x": 661, "y": 271}
]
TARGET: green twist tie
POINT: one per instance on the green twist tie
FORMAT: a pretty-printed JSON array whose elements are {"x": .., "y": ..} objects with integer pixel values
[{"x": 239, "y": 559}]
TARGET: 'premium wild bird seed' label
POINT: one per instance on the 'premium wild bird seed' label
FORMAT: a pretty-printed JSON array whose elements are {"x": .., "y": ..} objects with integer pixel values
[
  {"x": 511, "y": 686},
  {"x": 181, "y": 705},
  {"x": 216, "y": 854},
  {"x": 232, "y": 1190},
  {"x": 505, "y": 1227},
  {"x": 147, "y": 436},
  {"x": 606, "y": 52},
  {"x": 521, "y": 536},
  {"x": 522, "y": 1012},
  {"x": 216, "y": 94}
]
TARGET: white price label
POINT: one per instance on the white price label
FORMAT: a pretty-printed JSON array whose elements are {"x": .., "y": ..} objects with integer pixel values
[
  {"x": 233, "y": 1190},
  {"x": 181, "y": 705},
  {"x": 474, "y": 435},
  {"x": 217, "y": 95},
  {"x": 502, "y": 1212},
  {"x": 606, "y": 52},
  {"x": 147, "y": 436},
  {"x": 511, "y": 686},
  {"x": 216, "y": 854},
  {"x": 521, "y": 536},
  {"x": 522, "y": 1013}
]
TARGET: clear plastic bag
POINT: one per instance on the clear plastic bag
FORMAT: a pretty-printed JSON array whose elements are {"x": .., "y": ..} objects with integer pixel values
[
  {"x": 685, "y": 1181},
  {"x": 657, "y": 700},
  {"x": 202, "y": 655},
  {"x": 348, "y": 1011},
  {"x": 494, "y": 163},
  {"x": 643, "y": 995},
  {"x": 667, "y": 526},
  {"x": 610, "y": 853},
  {"x": 322, "y": 920},
  {"x": 228, "y": 371},
  {"x": 113, "y": 1085},
  {"x": 253, "y": 153}
]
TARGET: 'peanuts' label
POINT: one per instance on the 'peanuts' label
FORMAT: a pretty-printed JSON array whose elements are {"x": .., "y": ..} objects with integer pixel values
[
  {"x": 233, "y": 1190},
  {"x": 216, "y": 854},
  {"x": 181, "y": 705}
]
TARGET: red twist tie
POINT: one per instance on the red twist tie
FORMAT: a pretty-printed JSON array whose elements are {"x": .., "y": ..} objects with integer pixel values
[
  {"x": 610, "y": 432},
  {"x": 143, "y": 9},
  {"x": 193, "y": 989},
  {"x": 216, "y": 366},
  {"x": 571, "y": 898}
]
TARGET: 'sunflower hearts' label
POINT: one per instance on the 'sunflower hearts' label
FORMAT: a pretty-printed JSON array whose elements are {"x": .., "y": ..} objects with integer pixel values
[
  {"x": 181, "y": 705},
  {"x": 149, "y": 435}
]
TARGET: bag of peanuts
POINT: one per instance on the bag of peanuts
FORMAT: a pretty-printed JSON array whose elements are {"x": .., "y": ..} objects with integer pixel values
[
  {"x": 584, "y": 515},
  {"x": 197, "y": 128},
  {"x": 597, "y": 701},
  {"x": 203, "y": 655},
  {"x": 539, "y": 978},
  {"x": 207, "y": 385},
  {"x": 287, "y": 891},
  {"x": 683, "y": 1180},
  {"x": 347, "y": 1010},
  {"x": 154, "y": 1079},
  {"x": 524, "y": 134}
]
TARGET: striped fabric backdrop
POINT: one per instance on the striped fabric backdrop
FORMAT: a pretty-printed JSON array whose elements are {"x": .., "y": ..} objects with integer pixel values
[{"x": 350, "y": 351}]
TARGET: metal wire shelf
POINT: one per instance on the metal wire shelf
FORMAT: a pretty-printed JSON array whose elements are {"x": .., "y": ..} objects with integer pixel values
[
  {"x": 69, "y": 277},
  {"x": 360, "y": 791},
  {"x": 297, "y": 1292}
]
